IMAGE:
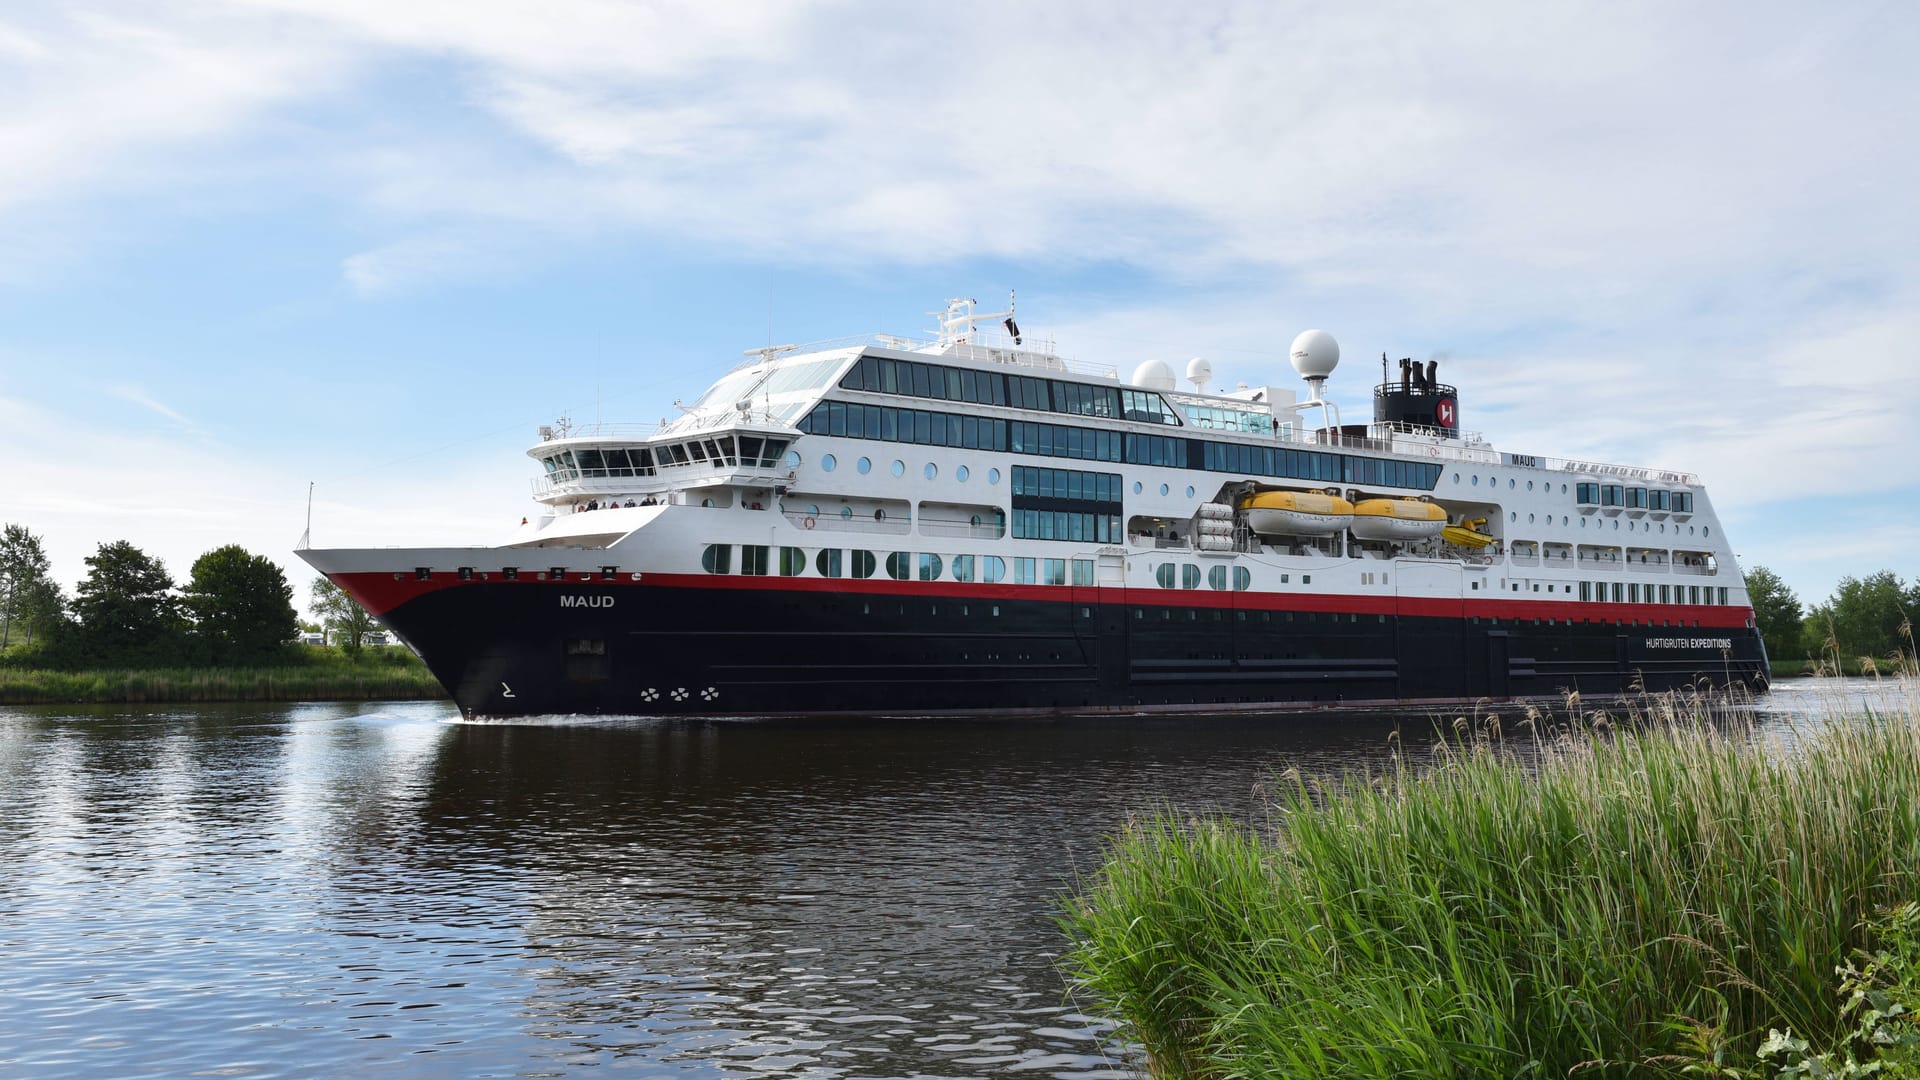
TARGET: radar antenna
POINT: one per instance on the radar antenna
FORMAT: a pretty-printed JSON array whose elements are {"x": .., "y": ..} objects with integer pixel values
[{"x": 767, "y": 353}]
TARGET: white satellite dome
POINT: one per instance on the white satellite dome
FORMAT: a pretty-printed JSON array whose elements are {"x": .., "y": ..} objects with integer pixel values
[
  {"x": 1153, "y": 375},
  {"x": 1315, "y": 354},
  {"x": 1199, "y": 372}
]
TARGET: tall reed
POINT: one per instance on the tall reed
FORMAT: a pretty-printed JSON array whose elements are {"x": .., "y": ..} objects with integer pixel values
[{"x": 1569, "y": 905}]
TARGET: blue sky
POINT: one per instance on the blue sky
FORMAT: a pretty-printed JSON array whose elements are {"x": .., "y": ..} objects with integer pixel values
[{"x": 250, "y": 244}]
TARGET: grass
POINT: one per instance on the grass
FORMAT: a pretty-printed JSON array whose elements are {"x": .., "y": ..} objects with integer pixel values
[
  {"x": 1607, "y": 901},
  {"x": 320, "y": 676}
]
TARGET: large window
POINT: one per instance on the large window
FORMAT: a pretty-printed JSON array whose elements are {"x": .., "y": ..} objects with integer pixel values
[
  {"x": 890, "y": 424},
  {"x": 1066, "y": 504},
  {"x": 753, "y": 559}
]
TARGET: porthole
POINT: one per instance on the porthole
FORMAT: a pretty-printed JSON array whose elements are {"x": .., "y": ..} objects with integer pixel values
[
  {"x": 1163, "y": 489},
  {"x": 1616, "y": 524},
  {"x": 1513, "y": 515},
  {"x": 1476, "y": 480},
  {"x": 1492, "y": 480},
  {"x": 960, "y": 473},
  {"x": 1529, "y": 485},
  {"x": 1510, "y": 483},
  {"x": 1189, "y": 491},
  {"x": 930, "y": 471},
  {"x": 1529, "y": 519},
  {"x": 1706, "y": 530},
  {"x": 828, "y": 463},
  {"x": 1137, "y": 486},
  {"x": 1217, "y": 578},
  {"x": 708, "y": 503},
  {"x": 898, "y": 468},
  {"x": 792, "y": 460},
  {"x": 993, "y": 476},
  {"x": 1563, "y": 489},
  {"x": 846, "y": 513},
  {"x": 879, "y": 515},
  {"x": 974, "y": 521},
  {"x": 1456, "y": 478},
  {"x": 813, "y": 510},
  {"x": 864, "y": 465}
]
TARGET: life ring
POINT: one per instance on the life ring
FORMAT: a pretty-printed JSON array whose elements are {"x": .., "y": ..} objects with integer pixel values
[
  {"x": 808, "y": 521},
  {"x": 1433, "y": 451}
]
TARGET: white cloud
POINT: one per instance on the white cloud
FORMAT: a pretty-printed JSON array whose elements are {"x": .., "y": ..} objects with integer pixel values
[
  {"x": 178, "y": 498},
  {"x": 94, "y": 100},
  {"x": 140, "y": 397}
]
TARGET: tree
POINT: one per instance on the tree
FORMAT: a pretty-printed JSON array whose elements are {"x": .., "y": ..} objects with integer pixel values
[
  {"x": 342, "y": 614},
  {"x": 43, "y": 610},
  {"x": 241, "y": 604},
  {"x": 126, "y": 608},
  {"x": 24, "y": 580},
  {"x": 1777, "y": 611},
  {"x": 1866, "y": 616}
]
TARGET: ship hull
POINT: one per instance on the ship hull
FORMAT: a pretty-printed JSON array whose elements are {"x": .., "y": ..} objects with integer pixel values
[{"x": 693, "y": 645}]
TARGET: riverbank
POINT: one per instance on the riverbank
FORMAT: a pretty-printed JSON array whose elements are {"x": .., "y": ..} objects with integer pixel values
[
  {"x": 1641, "y": 899},
  {"x": 1852, "y": 666},
  {"x": 334, "y": 680}
]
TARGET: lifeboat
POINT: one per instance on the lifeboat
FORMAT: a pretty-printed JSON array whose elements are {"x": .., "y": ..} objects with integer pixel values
[
  {"x": 1467, "y": 534},
  {"x": 1296, "y": 513},
  {"x": 1401, "y": 520}
]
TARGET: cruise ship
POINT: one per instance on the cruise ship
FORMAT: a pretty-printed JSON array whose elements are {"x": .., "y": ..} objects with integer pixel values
[{"x": 970, "y": 523}]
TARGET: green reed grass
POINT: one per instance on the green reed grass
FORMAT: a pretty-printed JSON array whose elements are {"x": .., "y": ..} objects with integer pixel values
[
  {"x": 306, "y": 683},
  {"x": 1568, "y": 903}
]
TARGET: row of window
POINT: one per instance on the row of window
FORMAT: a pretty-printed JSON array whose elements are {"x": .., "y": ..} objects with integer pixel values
[
  {"x": 1066, "y": 484},
  {"x": 914, "y": 378},
  {"x": 1633, "y": 592},
  {"x": 1313, "y": 465},
  {"x": 761, "y": 559},
  {"x": 602, "y": 461},
  {"x": 1066, "y": 525},
  {"x": 1593, "y": 493},
  {"x": 889, "y": 424},
  {"x": 1218, "y": 577}
]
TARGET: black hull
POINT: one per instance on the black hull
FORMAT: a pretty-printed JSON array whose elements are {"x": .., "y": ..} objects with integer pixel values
[{"x": 515, "y": 649}]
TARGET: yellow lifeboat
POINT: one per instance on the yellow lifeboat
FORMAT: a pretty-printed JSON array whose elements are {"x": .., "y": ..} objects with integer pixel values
[
  {"x": 1467, "y": 534},
  {"x": 1401, "y": 520},
  {"x": 1296, "y": 513}
]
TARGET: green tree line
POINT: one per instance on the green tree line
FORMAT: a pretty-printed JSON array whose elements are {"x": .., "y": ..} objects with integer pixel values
[
  {"x": 234, "y": 610},
  {"x": 1866, "y": 618}
]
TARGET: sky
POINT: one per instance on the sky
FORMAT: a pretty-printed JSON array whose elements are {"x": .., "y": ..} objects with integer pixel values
[{"x": 249, "y": 246}]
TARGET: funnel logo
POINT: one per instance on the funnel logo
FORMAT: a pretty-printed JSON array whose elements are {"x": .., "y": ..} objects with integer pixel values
[{"x": 1443, "y": 412}]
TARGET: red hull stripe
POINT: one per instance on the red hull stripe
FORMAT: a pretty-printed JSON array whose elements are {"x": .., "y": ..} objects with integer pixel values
[{"x": 380, "y": 593}]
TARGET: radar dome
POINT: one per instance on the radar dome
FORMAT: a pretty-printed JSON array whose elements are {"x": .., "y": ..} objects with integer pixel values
[
  {"x": 1315, "y": 354},
  {"x": 1153, "y": 375},
  {"x": 1199, "y": 372}
]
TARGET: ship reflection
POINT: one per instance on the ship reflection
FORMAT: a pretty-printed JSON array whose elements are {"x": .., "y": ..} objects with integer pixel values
[{"x": 828, "y": 895}]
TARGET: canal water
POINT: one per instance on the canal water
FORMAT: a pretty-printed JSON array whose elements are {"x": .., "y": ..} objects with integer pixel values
[{"x": 378, "y": 889}]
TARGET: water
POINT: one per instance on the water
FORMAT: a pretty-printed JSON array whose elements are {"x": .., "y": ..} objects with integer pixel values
[{"x": 248, "y": 891}]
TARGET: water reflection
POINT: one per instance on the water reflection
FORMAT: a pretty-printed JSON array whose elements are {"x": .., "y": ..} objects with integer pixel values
[{"x": 328, "y": 888}]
